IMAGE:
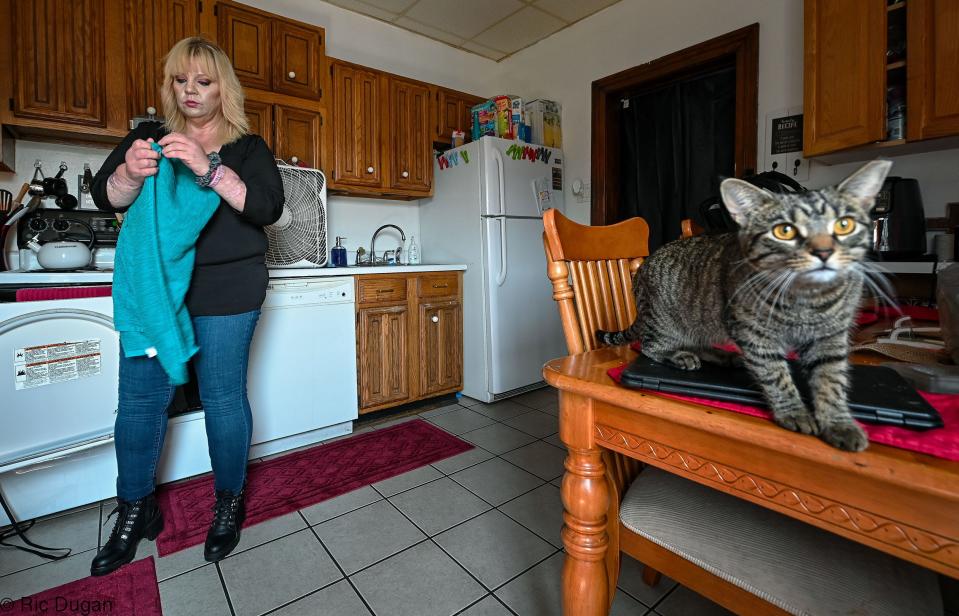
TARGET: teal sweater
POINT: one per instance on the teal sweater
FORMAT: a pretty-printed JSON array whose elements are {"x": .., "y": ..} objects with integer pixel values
[{"x": 154, "y": 263}]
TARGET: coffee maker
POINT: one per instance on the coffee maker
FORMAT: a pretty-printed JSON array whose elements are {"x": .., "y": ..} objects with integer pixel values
[{"x": 899, "y": 221}]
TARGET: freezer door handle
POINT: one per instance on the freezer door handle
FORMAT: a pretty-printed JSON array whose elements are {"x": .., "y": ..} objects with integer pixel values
[
  {"x": 500, "y": 180},
  {"x": 501, "y": 276}
]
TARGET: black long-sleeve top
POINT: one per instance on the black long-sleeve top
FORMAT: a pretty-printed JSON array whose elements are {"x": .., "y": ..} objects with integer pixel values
[{"x": 229, "y": 274}]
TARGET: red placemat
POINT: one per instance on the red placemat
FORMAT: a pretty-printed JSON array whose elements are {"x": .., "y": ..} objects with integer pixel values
[
  {"x": 939, "y": 442},
  {"x": 131, "y": 590},
  {"x": 287, "y": 483}
]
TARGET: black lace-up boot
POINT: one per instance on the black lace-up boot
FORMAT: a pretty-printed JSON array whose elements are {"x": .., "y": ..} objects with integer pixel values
[
  {"x": 228, "y": 515},
  {"x": 135, "y": 520}
]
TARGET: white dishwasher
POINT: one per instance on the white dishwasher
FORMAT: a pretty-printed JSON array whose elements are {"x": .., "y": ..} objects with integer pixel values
[
  {"x": 301, "y": 378},
  {"x": 302, "y": 373}
]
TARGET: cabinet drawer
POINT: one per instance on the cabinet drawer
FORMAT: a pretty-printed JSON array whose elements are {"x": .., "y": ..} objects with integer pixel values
[
  {"x": 380, "y": 289},
  {"x": 438, "y": 286}
]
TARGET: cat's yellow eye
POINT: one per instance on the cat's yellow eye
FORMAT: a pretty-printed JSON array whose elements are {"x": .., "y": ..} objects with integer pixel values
[
  {"x": 784, "y": 231},
  {"x": 844, "y": 226}
]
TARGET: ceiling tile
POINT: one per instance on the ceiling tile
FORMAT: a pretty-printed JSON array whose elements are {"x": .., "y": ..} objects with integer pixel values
[
  {"x": 486, "y": 52},
  {"x": 520, "y": 30},
  {"x": 393, "y": 6},
  {"x": 440, "y": 35},
  {"x": 365, "y": 9},
  {"x": 465, "y": 18},
  {"x": 573, "y": 10}
]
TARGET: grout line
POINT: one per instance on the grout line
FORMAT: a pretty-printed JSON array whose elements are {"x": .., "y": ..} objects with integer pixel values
[
  {"x": 229, "y": 601},
  {"x": 342, "y": 572}
]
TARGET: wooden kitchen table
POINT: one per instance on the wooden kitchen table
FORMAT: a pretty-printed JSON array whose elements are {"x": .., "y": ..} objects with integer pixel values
[{"x": 897, "y": 501}]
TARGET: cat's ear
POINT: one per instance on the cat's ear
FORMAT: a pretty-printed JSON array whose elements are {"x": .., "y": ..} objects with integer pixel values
[
  {"x": 863, "y": 185},
  {"x": 741, "y": 197}
]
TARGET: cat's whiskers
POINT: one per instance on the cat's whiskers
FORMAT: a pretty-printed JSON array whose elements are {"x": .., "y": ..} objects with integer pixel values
[
  {"x": 782, "y": 291},
  {"x": 771, "y": 288},
  {"x": 752, "y": 282}
]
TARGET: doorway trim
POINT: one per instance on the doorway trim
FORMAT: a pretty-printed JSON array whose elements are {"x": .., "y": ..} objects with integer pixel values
[{"x": 741, "y": 46}]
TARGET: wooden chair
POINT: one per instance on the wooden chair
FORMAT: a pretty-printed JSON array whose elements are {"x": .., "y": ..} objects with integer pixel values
[
  {"x": 591, "y": 271},
  {"x": 691, "y": 228}
]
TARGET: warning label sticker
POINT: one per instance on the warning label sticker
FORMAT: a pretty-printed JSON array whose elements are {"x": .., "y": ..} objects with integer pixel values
[{"x": 55, "y": 363}]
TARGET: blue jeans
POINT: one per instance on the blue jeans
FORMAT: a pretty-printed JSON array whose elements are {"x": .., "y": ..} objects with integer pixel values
[{"x": 146, "y": 392}]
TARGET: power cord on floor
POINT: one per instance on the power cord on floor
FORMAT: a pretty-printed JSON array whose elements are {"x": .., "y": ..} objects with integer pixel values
[{"x": 19, "y": 529}]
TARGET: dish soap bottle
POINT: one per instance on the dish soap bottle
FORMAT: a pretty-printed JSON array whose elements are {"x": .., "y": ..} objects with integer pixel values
[
  {"x": 339, "y": 253},
  {"x": 413, "y": 254}
]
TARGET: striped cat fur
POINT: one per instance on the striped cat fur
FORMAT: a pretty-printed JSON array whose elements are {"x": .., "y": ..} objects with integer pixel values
[{"x": 791, "y": 278}]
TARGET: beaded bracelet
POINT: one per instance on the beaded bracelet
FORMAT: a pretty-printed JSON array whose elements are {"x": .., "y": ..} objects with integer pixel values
[
  {"x": 204, "y": 180},
  {"x": 217, "y": 176}
]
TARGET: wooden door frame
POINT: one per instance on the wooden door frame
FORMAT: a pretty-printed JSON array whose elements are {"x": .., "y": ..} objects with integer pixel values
[{"x": 741, "y": 45}]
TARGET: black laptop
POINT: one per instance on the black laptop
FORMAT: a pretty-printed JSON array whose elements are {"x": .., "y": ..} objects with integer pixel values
[{"x": 878, "y": 395}]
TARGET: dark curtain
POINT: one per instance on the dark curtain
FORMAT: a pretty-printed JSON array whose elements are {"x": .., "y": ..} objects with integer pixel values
[{"x": 679, "y": 142}]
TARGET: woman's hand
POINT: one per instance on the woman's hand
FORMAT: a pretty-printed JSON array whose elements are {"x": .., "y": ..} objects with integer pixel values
[
  {"x": 141, "y": 161},
  {"x": 189, "y": 151}
]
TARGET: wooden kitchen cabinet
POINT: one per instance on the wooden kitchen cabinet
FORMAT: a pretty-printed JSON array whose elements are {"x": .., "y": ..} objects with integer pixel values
[
  {"x": 855, "y": 75},
  {"x": 411, "y": 153},
  {"x": 356, "y": 134},
  {"x": 409, "y": 337},
  {"x": 245, "y": 34},
  {"x": 383, "y": 340},
  {"x": 270, "y": 52},
  {"x": 299, "y": 136},
  {"x": 152, "y": 28},
  {"x": 260, "y": 117},
  {"x": 381, "y": 140},
  {"x": 294, "y": 134},
  {"x": 933, "y": 69},
  {"x": 298, "y": 54},
  {"x": 441, "y": 346},
  {"x": 61, "y": 80},
  {"x": 453, "y": 112},
  {"x": 844, "y": 74}
]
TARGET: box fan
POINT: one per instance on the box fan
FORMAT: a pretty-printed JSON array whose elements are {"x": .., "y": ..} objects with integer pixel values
[{"x": 298, "y": 239}]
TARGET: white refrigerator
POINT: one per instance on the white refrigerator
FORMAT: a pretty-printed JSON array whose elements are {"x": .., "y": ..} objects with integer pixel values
[{"x": 486, "y": 211}]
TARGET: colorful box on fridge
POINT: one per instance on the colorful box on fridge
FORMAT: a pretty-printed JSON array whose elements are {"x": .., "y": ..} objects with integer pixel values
[
  {"x": 544, "y": 118},
  {"x": 484, "y": 119},
  {"x": 504, "y": 117}
]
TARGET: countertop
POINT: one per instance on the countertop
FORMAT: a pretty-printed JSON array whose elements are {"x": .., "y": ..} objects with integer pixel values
[{"x": 99, "y": 277}]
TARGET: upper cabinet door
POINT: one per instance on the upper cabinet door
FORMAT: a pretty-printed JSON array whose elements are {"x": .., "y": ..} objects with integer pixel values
[
  {"x": 410, "y": 146},
  {"x": 260, "y": 117},
  {"x": 152, "y": 28},
  {"x": 246, "y": 37},
  {"x": 844, "y": 74},
  {"x": 298, "y": 54},
  {"x": 356, "y": 131},
  {"x": 298, "y": 136},
  {"x": 60, "y": 67},
  {"x": 454, "y": 111},
  {"x": 933, "y": 68}
]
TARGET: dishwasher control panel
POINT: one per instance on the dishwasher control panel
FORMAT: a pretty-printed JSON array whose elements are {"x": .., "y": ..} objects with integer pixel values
[{"x": 309, "y": 291}]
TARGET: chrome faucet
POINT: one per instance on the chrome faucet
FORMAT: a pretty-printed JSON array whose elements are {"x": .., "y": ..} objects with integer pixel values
[{"x": 373, "y": 243}]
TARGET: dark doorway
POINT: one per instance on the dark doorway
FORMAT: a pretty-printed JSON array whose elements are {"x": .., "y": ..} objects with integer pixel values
[
  {"x": 678, "y": 142},
  {"x": 664, "y": 133}
]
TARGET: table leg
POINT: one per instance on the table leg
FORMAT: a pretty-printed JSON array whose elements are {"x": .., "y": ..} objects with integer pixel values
[{"x": 585, "y": 500}]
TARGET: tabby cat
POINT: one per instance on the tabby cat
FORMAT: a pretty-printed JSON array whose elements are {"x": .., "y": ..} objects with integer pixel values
[{"x": 791, "y": 278}]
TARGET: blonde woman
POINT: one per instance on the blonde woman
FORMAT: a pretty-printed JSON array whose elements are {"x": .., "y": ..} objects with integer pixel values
[{"x": 205, "y": 130}]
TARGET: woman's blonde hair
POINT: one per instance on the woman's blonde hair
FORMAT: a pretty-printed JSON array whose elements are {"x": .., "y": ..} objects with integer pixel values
[{"x": 216, "y": 65}]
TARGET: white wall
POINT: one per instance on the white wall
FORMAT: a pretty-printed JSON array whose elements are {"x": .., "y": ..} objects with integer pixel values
[
  {"x": 350, "y": 37},
  {"x": 632, "y": 32}
]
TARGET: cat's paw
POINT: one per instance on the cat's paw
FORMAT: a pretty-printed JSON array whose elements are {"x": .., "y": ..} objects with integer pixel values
[
  {"x": 798, "y": 421},
  {"x": 684, "y": 360},
  {"x": 846, "y": 435}
]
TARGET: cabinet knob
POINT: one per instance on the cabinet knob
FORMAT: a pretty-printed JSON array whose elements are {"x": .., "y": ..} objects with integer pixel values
[
  {"x": 291, "y": 75},
  {"x": 369, "y": 169},
  {"x": 294, "y": 159},
  {"x": 406, "y": 174},
  {"x": 435, "y": 319},
  {"x": 151, "y": 111}
]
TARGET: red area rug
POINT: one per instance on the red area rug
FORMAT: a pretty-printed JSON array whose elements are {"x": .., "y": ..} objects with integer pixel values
[
  {"x": 297, "y": 480},
  {"x": 131, "y": 590}
]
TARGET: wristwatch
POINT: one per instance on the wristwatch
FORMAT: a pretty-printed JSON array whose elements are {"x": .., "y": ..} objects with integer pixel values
[{"x": 206, "y": 178}]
